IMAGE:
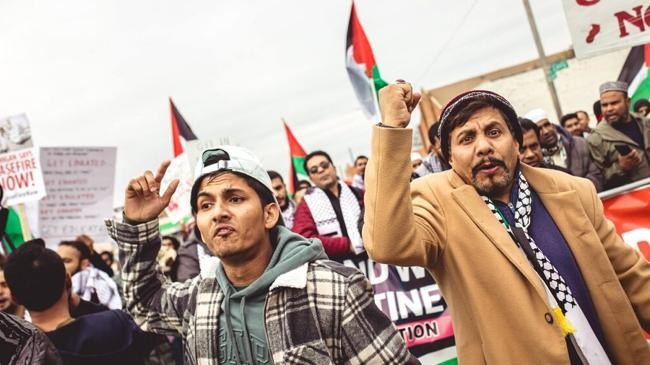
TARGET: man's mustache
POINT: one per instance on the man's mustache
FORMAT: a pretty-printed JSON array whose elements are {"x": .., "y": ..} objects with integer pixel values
[{"x": 492, "y": 160}]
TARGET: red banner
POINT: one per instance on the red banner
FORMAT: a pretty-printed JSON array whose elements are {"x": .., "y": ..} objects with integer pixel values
[{"x": 630, "y": 213}]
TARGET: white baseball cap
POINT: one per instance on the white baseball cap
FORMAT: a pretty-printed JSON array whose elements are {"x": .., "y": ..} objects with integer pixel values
[{"x": 230, "y": 158}]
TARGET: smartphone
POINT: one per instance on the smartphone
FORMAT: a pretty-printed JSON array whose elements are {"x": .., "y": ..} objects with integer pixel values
[{"x": 623, "y": 149}]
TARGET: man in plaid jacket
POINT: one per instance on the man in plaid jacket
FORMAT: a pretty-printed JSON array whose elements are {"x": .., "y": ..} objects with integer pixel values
[{"x": 274, "y": 298}]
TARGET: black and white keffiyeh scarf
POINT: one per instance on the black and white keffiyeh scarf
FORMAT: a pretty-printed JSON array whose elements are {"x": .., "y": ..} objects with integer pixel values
[
  {"x": 325, "y": 218},
  {"x": 566, "y": 310}
]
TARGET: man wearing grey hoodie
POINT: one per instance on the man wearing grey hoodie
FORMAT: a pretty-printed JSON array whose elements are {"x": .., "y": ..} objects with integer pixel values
[{"x": 274, "y": 298}]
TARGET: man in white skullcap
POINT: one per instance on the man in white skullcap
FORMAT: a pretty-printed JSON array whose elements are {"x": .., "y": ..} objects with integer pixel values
[
  {"x": 621, "y": 145},
  {"x": 562, "y": 149}
]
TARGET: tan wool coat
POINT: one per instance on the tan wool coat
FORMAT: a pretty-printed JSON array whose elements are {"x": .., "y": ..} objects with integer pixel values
[{"x": 497, "y": 301}]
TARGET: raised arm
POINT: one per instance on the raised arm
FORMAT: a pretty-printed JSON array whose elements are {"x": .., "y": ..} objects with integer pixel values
[
  {"x": 398, "y": 223},
  {"x": 156, "y": 304}
]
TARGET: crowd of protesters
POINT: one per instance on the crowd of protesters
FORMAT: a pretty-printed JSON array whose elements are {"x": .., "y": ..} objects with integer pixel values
[{"x": 258, "y": 276}]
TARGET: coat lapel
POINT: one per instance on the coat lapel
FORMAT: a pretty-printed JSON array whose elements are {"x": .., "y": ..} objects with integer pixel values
[
  {"x": 472, "y": 204},
  {"x": 611, "y": 134},
  {"x": 564, "y": 207}
]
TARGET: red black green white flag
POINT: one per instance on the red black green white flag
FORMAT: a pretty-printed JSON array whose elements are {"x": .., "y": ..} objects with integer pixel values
[
  {"x": 297, "y": 156},
  {"x": 180, "y": 129},
  {"x": 635, "y": 73},
  {"x": 362, "y": 68}
]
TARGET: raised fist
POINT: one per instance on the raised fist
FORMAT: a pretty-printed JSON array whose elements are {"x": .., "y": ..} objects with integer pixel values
[
  {"x": 142, "y": 199},
  {"x": 396, "y": 102}
]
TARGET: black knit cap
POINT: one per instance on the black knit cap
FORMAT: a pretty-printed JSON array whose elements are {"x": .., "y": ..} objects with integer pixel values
[{"x": 460, "y": 101}]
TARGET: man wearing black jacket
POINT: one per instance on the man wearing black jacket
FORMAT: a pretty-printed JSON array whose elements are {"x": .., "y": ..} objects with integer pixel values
[{"x": 37, "y": 278}]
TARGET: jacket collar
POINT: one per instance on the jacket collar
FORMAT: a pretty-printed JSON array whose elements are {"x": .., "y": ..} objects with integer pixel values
[
  {"x": 546, "y": 187},
  {"x": 609, "y": 133},
  {"x": 296, "y": 278}
]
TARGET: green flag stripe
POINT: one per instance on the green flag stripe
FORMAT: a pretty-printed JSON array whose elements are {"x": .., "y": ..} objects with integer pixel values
[
  {"x": 449, "y": 362},
  {"x": 377, "y": 80},
  {"x": 642, "y": 91},
  {"x": 298, "y": 167}
]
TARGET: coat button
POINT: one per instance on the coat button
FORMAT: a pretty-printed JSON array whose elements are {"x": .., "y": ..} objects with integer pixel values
[{"x": 548, "y": 317}]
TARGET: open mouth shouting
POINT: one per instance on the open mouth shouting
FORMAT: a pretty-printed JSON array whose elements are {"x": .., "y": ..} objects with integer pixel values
[{"x": 489, "y": 166}]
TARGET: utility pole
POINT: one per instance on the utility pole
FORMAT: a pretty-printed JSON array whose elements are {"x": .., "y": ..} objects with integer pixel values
[
  {"x": 542, "y": 59},
  {"x": 351, "y": 155}
]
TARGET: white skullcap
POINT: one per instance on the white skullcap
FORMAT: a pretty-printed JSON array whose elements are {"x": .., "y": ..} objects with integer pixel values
[{"x": 536, "y": 115}]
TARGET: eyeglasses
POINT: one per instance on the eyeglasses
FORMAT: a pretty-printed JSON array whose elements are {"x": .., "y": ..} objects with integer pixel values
[{"x": 324, "y": 165}]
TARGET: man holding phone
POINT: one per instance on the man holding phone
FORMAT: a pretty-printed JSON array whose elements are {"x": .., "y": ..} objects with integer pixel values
[{"x": 620, "y": 147}]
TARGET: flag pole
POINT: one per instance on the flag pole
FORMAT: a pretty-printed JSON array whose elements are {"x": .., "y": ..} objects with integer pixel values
[
  {"x": 375, "y": 99},
  {"x": 542, "y": 59}
]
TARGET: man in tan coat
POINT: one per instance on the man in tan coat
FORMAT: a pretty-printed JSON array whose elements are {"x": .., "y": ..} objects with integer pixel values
[{"x": 531, "y": 269}]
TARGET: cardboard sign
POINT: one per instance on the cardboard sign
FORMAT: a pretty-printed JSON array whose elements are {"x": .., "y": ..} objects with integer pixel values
[
  {"x": 20, "y": 176},
  {"x": 15, "y": 133},
  {"x": 193, "y": 149},
  {"x": 80, "y": 183},
  {"x": 412, "y": 300},
  {"x": 179, "y": 208},
  {"x": 599, "y": 26}
]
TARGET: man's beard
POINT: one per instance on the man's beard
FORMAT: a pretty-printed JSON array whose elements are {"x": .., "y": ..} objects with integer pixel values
[
  {"x": 620, "y": 120},
  {"x": 284, "y": 206},
  {"x": 493, "y": 184}
]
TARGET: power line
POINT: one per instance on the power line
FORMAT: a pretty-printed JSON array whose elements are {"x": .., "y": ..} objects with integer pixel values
[{"x": 448, "y": 41}]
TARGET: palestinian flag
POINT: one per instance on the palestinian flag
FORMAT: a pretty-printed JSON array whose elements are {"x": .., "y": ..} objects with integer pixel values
[
  {"x": 635, "y": 73},
  {"x": 16, "y": 230},
  {"x": 297, "y": 155},
  {"x": 180, "y": 129},
  {"x": 361, "y": 67}
]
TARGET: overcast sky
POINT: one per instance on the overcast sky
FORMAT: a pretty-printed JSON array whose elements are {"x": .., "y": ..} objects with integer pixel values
[{"x": 98, "y": 73}]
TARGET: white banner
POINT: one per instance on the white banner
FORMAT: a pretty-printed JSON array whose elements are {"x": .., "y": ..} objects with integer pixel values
[
  {"x": 20, "y": 176},
  {"x": 80, "y": 183},
  {"x": 193, "y": 149},
  {"x": 179, "y": 207},
  {"x": 599, "y": 26}
]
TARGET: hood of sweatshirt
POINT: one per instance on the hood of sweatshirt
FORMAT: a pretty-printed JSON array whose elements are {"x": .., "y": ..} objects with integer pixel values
[
  {"x": 291, "y": 251},
  {"x": 241, "y": 323}
]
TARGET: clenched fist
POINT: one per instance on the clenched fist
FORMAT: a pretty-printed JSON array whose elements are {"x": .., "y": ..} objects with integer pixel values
[
  {"x": 396, "y": 102},
  {"x": 142, "y": 200}
]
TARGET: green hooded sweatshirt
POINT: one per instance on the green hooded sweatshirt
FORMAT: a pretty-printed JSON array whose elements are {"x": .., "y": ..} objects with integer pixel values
[{"x": 242, "y": 335}]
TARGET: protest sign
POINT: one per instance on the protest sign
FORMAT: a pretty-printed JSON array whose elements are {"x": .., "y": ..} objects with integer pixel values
[
  {"x": 599, "y": 26},
  {"x": 194, "y": 148},
  {"x": 15, "y": 133},
  {"x": 20, "y": 176},
  {"x": 179, "y": 208},
  {"x": 80, "y": 183},
  {"x": 182, "y": 168},
  {"x": 412, "y": 300}
]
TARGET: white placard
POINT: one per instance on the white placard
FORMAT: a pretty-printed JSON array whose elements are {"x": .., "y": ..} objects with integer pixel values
[
  {"x": 179, "y": 207},
  {"x": 599, "y": 26},
  {"x": 80, "y": 183},
  {"x": 194, "y": 148},
  {"x": 21, "y": 177},
  {"x": 15, "y": 133}
]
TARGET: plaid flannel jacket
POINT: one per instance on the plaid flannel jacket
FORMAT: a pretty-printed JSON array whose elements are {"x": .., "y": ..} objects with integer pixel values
[{"x": 320, "y": 313}]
